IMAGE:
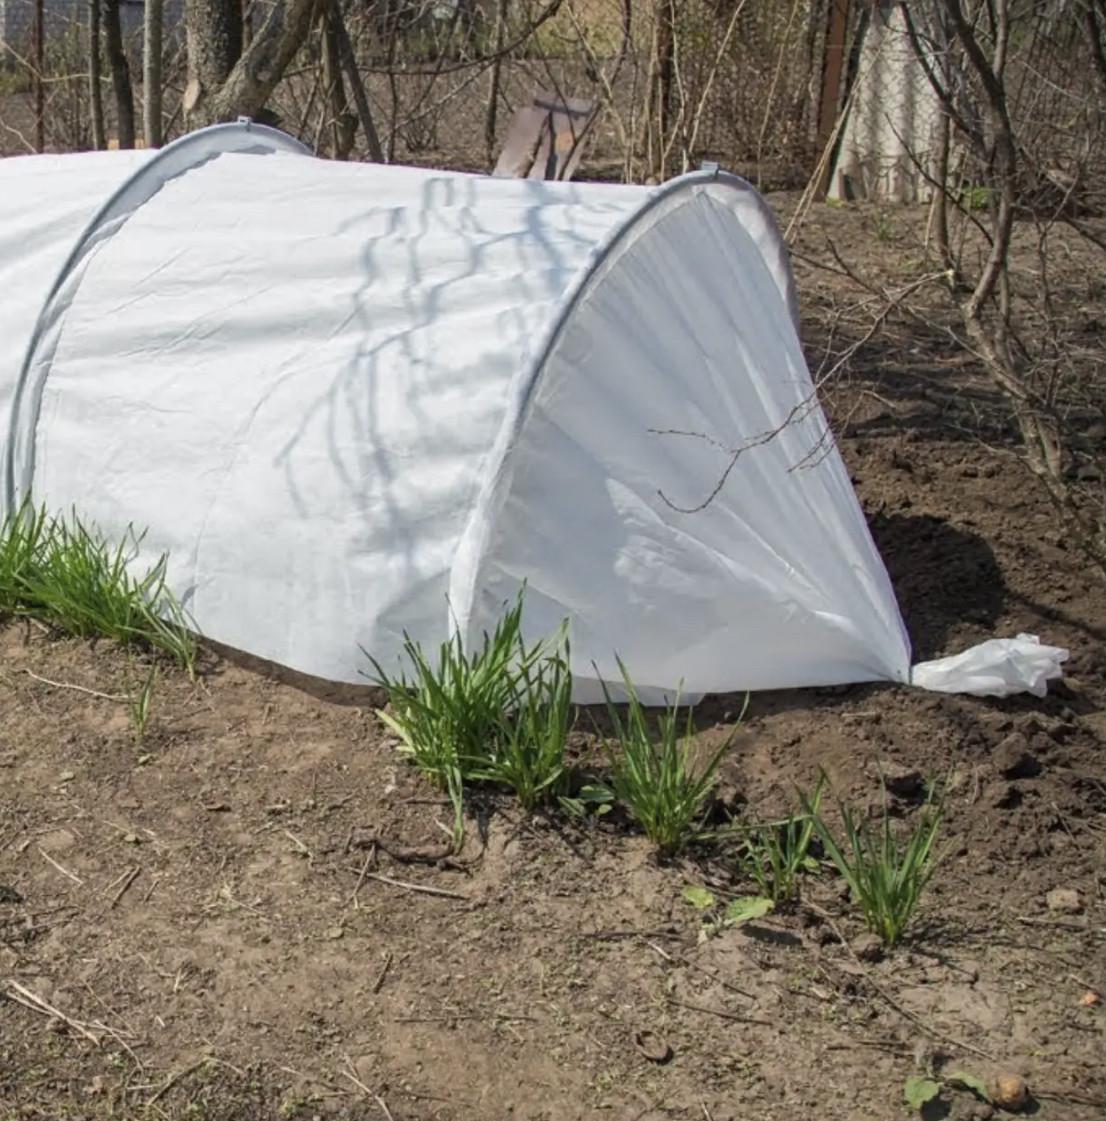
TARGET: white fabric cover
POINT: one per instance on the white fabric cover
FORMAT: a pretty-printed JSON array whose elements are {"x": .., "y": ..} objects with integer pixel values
[
  {"x": 310, "y": 387},
  {"x": 775, "y": 581},
  {"x": 45, "y": 204},
  {"x": 996, "y": 668},
  {"x": 352, "y": 401}
]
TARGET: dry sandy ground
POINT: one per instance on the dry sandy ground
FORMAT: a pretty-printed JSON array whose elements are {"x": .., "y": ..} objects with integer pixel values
[{"x": 195, "y": 906}]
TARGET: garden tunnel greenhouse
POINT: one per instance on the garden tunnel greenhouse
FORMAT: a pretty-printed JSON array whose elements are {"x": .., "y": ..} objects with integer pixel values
[{"x": 354, "y": 401}]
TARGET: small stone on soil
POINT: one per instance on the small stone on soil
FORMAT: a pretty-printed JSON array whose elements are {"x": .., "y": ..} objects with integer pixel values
[
  {"x": 868, "y": 948},
  {"x": 903, "y": 782},
  {"x": 1004, "y": 796},
  {"x": 1064, "y": 901},
  {"x": 1013, "y": 758},
  {"x": 653, "y": 1046},
  {"x": 1010, "y": 1092}
]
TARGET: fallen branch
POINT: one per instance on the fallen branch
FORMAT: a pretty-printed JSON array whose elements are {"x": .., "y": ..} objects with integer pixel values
[
  {"x": 1069, "y": 1096},
  {"x": 175, "y": 1078},
  {"x": 452, "y": 1017},
  {"x": 720, "y": 1013},
  {"x": 367, "y": 1092},
  {"x": 361, "y": 878},
  {"x": 128, "y": 879},
  {"x": 422, "y": 889},
  {"x": 20, "y": 995},
  {"x": 615, "y": 935},
  {"x": 687, "y": 963},
  {"x": 378, "y": 984},
  {"x": 64, "y": 871},
  {"x": 76, "y": 688}
]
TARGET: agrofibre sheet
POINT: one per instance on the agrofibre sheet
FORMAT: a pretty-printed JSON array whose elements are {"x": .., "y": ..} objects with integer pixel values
[{"x": 353, "y": 401}]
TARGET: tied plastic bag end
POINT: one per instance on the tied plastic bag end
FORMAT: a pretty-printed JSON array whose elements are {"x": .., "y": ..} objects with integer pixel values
[{"x": 997, "y": 668}]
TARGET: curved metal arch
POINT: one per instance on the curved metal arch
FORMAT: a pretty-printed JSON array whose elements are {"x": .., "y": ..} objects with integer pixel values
[
  {"x": 183, "y": 155},
  {"x": 473, "y": 541}
]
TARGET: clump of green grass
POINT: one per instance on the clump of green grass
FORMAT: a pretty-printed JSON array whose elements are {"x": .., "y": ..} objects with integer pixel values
[
  {"x": 23, "y": 540},
  {"x": 886, "y": 875},
  {"x": 774, "y": 853},
  {"x": 66, "y": 574},
  {"x": 499, "y": 714},
  {"x": 527, "y": 749},
  {"x": 656, "y": 774}
]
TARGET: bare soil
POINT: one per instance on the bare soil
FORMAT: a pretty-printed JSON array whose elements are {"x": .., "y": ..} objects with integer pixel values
[{"x": 207, "y": 938}]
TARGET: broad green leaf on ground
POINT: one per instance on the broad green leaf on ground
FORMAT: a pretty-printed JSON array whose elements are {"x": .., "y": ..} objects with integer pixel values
[
  {"x": 918, "y": 1091},
  {"x": 699, "y": 898},
  {"x": 748, "y": 907},
  {"x": 963, "y": 1080}
]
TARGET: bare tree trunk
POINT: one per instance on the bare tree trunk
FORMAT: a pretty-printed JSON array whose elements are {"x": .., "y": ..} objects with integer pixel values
[
  {"x": 226, "y": 82},
  {"x": 393, "y": 85},
  {"x": 360, "y": 97},
  {"x": 987, "y": 311},
  {"x": 39, "y": 47},
  {"x": 939, "y": 208},
  {"x": 1094, "y": 37},
  {"x": 151, "y": 73},
  {"x": 95, "y": 77},
  {"x": 213, "y": 38},
  {"x": 342, "y": 125},
  {"x": 664, "y": 70},
  {"x": 120, "y": 74},
  {"x": 497, "y": 68}
]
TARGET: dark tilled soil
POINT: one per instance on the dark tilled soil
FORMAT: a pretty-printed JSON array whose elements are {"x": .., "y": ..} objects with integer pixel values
[{"x": 191, "y": 916}]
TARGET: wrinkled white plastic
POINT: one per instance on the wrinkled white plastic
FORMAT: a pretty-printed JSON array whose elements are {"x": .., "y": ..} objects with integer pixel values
[{"x": 997, "y": 668}]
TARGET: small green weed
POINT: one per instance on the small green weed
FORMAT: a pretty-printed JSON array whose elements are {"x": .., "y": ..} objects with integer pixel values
[
  {"x": 66, "y": 574},
  {"x": 716, "y": 918},
  {"x": 885, "y": 876},
  {"x": 656, "y": 777},
  {"x": 919, "y": 1090},
  {"x": 774, "y": 853},
  {"x": 140, "y": 703},
  {"x": 975, "y": 198},
  {"x": 591, "y": 799}
]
